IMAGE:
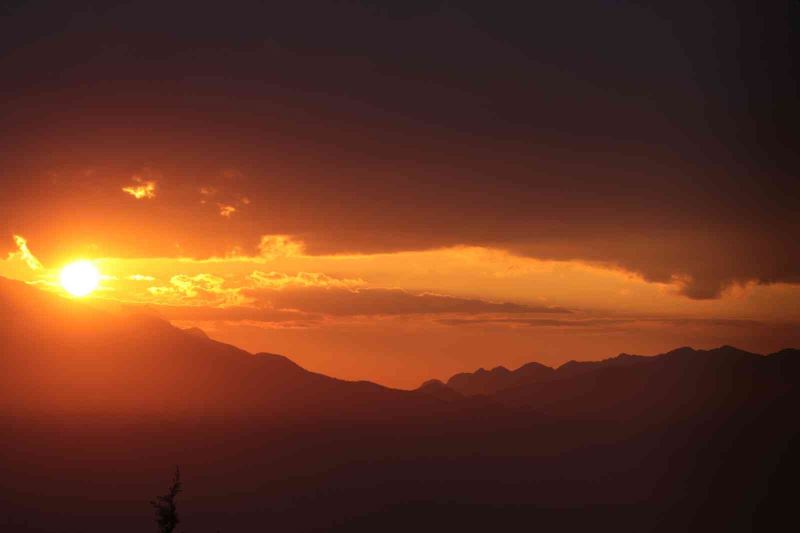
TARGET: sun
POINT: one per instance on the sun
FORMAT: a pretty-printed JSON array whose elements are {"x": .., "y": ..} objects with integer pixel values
[{"x": 80, "y": 278}]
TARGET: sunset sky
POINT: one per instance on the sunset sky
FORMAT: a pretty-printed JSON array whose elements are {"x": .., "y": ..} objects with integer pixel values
[{"x": 405, "y": 192}]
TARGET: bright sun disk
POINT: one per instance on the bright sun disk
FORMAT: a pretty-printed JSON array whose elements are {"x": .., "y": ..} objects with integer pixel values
[{"x": 80, "y": 278}]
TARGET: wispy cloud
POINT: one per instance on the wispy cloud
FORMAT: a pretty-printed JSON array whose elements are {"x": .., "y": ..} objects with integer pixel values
[
  {"x": 280, "y": 280},
  {"x": 226, "y": 210},
  {"x": 201, "y": 289},
  {"x": 24, "y": 254},
  {"x": 273, "y": 246},
  {"x": 228, "y": 202},
  {"x": 140, "y": 277},
  {"x": 141, "y": 189}
]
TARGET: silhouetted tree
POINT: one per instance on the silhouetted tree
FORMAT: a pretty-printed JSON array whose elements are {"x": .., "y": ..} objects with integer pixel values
[{"x": 166, "y": 511}]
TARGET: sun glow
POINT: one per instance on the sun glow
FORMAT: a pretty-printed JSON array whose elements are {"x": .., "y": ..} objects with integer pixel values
[{"x": 80, "y": 278}]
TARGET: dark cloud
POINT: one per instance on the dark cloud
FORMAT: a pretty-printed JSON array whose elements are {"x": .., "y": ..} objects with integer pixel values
[
  {"x": 601, "y": 322},
  {"x": 703, "y": 261},
  {"x": 535, "y": 322},
  {"x": 289, "y": 303},
  {"x": 655, "y": 136},
  {"x": 233, "y": 313},
  {"x": 369, "y": 301}
]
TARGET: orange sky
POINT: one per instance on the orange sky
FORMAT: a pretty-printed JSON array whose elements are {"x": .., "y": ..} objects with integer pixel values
[
  {"x": 400, "y": 318},
  {"x": 405, "y": 192}
]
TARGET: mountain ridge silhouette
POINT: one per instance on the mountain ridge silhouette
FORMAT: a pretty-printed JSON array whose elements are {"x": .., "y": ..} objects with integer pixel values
[
  {"x": 88, "y": 358},
  {"x": 99, "y": 402},
  {"x": 500, "y": 382},
  {"x": 79, "y": 358}
]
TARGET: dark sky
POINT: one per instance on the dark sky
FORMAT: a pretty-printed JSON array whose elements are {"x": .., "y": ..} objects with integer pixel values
[{"x": 659, "y": 136}]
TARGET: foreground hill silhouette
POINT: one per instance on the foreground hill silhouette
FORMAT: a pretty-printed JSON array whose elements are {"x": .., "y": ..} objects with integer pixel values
[
  {"x": 99, "y": 405},
  {"x": 65, "y": 356}
]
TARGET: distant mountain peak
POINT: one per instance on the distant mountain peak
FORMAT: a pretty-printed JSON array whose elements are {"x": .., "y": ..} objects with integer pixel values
[
  {"x": 196, "y": 332},
  {"x": 436, "y": 388},
  {"x": 432, "y": 383},
  {"x": 725, "y": 350},
  {"x": 484, "y": 381},
  {"x": 683, "y": 351}
]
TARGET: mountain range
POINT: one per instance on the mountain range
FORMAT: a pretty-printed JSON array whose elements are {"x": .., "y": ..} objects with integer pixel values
[
  {"x": 100, "y": 402},
  {"x": 683, "y": 379},
  {"x": 78, "y": 358}
]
